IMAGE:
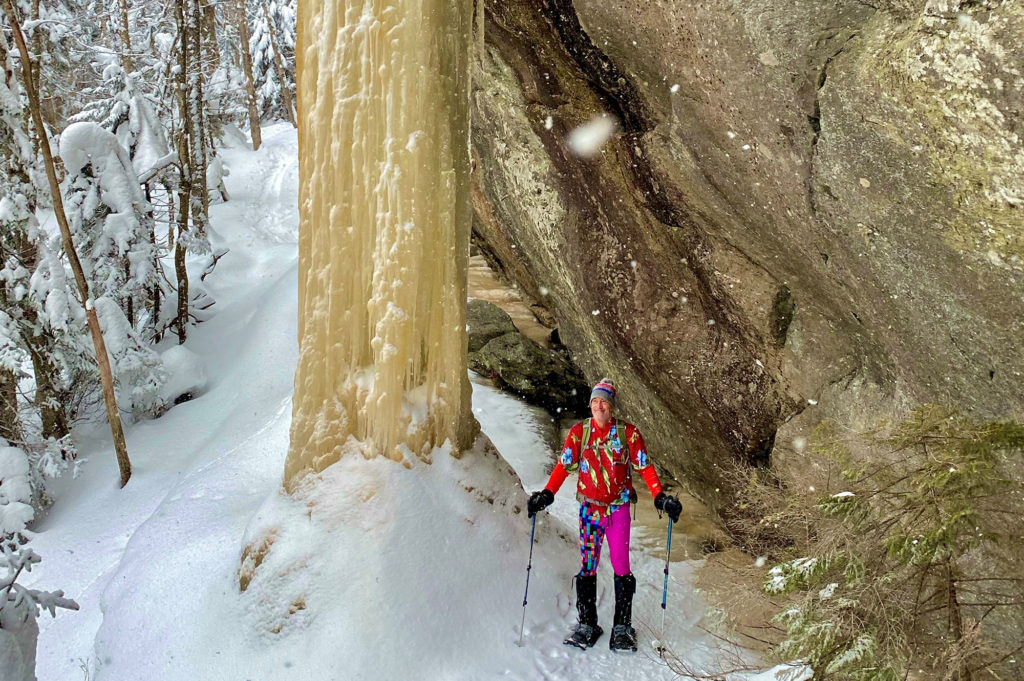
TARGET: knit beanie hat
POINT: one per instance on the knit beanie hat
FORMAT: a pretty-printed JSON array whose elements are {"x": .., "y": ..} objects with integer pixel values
[{"x": 605, "y": 390}]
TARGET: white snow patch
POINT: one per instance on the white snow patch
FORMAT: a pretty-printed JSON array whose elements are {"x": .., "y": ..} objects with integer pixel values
[
  {"x": 186, "y": 373},
  {"x": 587, "y": 139}
]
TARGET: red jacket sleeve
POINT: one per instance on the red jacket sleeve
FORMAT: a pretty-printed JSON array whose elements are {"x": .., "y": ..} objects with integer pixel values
[
  {"x": 558, "y": 476},
  {"x": 568, "y": 460}
]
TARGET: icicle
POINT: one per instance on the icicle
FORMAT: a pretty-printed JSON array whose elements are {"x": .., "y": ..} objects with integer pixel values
[{"x": 384, "y": 233}]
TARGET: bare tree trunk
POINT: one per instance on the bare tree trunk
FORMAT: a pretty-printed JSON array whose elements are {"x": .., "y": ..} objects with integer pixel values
[
  {"x": 962, "y": 669},
  {"x": 172, "y": 219},
  {"x": 36, "y": 54},
  {"x": 209, "y": 32},
  {"x": 286, "y": 92},
  {"x": 127, "y": 62},
  {"x": 102, "y": 359},
  {"x": 49, "y": 399},
  {"x": 154, "y": 292},
  {"x": 180, "y": 271},
  {"x": 10, "y": 426},
  {"x": 250, "y": 85},
  {"x": 185, "y": 181},
  {"x": 129, "y": 298},
  {"x": 200, "y": 196}
]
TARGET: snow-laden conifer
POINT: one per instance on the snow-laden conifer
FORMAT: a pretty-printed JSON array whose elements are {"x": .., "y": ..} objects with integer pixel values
[
  {"x": 19, "y": 605},
  {"x": 34, "y": 355},
  {"x": 113, "y": 223},
  {"x": 272, "y": 45}
]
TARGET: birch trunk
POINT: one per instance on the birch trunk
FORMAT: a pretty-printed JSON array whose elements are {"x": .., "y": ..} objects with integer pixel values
[{"x": 102, "y": 359}]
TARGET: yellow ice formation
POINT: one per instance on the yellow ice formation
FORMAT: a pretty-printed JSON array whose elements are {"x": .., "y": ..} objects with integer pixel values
[{"x": 384, "y": 229}]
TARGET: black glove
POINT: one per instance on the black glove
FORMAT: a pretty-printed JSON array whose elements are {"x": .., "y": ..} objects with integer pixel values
[
  {"x": 539, "y": 501},
  {"x": 668, "y": 504}
]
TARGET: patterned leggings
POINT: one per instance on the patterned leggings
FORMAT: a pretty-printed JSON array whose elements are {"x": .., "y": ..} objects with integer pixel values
[{"x": 593, "y": 529}]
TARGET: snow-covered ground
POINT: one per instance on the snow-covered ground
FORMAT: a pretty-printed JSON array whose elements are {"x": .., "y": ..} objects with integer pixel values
[{"x": 380, "y": 571}]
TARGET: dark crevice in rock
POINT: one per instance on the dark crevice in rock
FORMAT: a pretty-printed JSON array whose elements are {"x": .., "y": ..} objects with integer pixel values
[
  {"x": 760, "y": 453},
  {"x": 609, "y": 81},
  {"x": 815, "y": 119},
  {"x": 783, "y": 309}
]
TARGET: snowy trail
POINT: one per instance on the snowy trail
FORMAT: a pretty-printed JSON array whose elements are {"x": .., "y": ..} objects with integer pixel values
[
  {"x": 93, "y": 528},
  {"x": 155, "y": 566}
]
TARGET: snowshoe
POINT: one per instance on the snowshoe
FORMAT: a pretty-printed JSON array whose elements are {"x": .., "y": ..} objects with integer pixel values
[
  {"x": 583, "y": 636},
  {"x": 623, "y": 639}
]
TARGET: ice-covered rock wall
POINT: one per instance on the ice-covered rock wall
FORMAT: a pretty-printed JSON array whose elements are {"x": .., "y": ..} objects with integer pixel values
[{"x": 384, "y": 233}]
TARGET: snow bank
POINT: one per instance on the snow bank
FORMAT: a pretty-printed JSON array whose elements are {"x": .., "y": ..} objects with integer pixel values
[
  {"x": 186, "y": 373},
  {"x": 15, "y": 491},
  {"x": 18, "y": 647}
]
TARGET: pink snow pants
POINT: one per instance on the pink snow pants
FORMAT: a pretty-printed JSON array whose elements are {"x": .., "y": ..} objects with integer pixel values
[{"x": 594, "y": 529}]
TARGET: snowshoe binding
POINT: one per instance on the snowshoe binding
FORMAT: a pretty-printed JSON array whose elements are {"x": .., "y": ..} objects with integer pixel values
[
  {"x": 583, "y": 636},
  {"x": 623, "y": 639}
]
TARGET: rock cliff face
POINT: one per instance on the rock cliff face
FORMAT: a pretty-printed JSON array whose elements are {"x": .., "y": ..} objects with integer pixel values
[{"x": 809, "y": 209}]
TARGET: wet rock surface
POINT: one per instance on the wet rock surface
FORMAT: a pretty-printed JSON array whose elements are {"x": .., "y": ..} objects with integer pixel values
[
  {"x": 808, "y": 210},
  {"x": 539, "y": 375},
  {"x": 484, "y": 322}
]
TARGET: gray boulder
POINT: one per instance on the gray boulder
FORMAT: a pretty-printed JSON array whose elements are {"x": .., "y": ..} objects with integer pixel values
[
  {"x": 486, "y": 321},
  {"x": 540, "y": 376}
]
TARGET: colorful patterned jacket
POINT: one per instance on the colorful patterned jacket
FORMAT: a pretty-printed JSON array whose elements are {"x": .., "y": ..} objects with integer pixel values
[{"x": 604, "y": 463}]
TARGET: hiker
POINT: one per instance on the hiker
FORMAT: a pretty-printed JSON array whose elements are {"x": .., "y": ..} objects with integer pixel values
[{"x": 603, "y": 451}]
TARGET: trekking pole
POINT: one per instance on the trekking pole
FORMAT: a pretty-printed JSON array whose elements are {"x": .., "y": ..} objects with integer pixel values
[
  {"x": 664, "y": 593},
  {"x": 529, "y": 566}
]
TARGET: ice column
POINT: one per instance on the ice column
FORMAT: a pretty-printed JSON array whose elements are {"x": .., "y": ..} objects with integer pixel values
[{"x": 384, "y": 231}]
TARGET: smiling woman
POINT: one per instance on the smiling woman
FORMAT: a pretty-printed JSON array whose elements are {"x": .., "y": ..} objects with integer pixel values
[{"x": 384, "y": 231}]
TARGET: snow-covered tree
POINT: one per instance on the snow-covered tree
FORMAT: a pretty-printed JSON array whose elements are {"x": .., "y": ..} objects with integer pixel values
[
  {"x": 29, "y": 297},
  {"x": 272, "y": 45},
  {"x": 113, "y": 224},
  {"x": 29, "y": 83},
  {"x": 19, "y": 605}
]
